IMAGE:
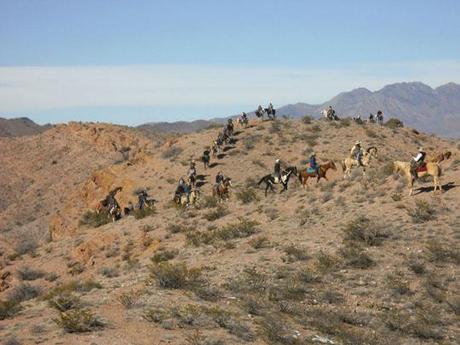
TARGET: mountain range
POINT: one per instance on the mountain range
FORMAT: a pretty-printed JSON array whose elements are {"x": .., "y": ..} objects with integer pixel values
[{"x": 416, "y": 104}]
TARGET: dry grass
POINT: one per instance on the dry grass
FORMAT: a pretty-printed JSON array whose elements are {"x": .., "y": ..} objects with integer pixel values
[
  {"x": 78, "y": 321},
  {"x": 174, "y": 276},
  {"x": 362, "y": 229}
]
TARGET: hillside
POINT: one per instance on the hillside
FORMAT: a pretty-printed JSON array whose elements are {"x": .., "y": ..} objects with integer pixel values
[
  {"x": 349, "y": 261},
  {"x": 19, "y": 127}
]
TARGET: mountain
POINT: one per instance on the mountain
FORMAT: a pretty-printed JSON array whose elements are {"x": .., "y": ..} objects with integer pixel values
[
  {"x": 416, "y": 104},
  {"x": 19, "y": 127},
  {"x": 343, "y": 261}
]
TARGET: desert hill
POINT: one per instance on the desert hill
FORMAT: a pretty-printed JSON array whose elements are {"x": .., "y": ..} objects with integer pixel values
[
  {"x": 19, "y": 127},
  {"x": 346, "y": 261}
]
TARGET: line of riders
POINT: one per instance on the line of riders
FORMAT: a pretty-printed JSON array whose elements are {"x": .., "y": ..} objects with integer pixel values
[
  {"x": 187, "y": 193},
  {"x": 378, "y": 118}
]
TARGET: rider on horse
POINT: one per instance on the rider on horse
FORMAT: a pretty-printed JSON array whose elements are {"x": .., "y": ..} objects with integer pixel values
[
  {"x": 313, "y": 164},
  {"x": 380, "y": 117},
  {"x": 417, "y": 161},
  {"x": 371, "y": 118},
  {"x": 220, "y": 178},
  {"x": 357, "y": 152},
  {"x": 330, "y": 113},
  {"x": 142, "y": 199},
  {"x": 183, "y": 188},
  {"x": 244, "y": 117}
]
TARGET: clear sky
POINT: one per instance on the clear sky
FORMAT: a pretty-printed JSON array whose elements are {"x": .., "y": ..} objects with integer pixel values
[{"x": 138, "y": 61}]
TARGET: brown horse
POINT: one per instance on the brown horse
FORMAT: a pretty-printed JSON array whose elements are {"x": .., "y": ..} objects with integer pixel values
[
  {"x": 323, "y": 168},
  {"x": 432, "y": 169},
  {"x": 222, "y": 190}
]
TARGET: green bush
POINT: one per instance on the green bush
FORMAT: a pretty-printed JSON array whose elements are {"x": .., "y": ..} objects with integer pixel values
[
  {"x": 246, "y": 196},
  {"x": 422, "y": 212},
  {"x": 94, "y": 219},
  {"x": 362, "y": 229},
  {"x": 394, "y": 123},
  {"x": 307, "y": 119},
  {"x": 219, "y": 212},
  {"x": 145, "y": 212},
  {"x": 78, "y": 321},
  {"x": 9, "y": 308},
  {"x": 174, "y": 276},
  {"x": 171, "y": 153}
]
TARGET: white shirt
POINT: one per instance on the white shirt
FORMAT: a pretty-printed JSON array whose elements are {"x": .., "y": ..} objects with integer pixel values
[{"x": 418, "y": 157}]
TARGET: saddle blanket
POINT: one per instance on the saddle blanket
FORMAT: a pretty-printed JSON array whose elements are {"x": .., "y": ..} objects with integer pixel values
[
  {"x": 422, "y": 168},
  {"x": 311, "y": 170}
]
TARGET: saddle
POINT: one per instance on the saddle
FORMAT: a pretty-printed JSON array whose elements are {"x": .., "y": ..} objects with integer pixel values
[
  {"x": 311, "y": 170},
  {"x": 421, "y": 168}
]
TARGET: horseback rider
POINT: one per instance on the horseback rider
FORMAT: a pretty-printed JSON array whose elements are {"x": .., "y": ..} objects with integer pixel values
[
  {"x": 380, "y": 116},
  {"x": 313, "y": 164},
  {"x": 357, "y": 152},
  {"x": 142, "y": 199},
  {"x": 244, "y": 117},
  {"x": 183, "y": 188},
  {"x": 417, "y": 161},
  {"x": 277, "y": 170},
  {"x": 192, "y": 170},
  {"x": 220, "y": 178},
  {"x": 330, "y": 113},
  {"x": 371, "y": 118}
]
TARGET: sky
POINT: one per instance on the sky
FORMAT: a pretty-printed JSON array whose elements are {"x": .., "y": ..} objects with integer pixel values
[{"x": 138, "y": 61}]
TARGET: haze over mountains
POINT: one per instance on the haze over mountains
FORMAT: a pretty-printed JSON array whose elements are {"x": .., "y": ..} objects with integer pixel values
[{"x": 416, "y": 104}]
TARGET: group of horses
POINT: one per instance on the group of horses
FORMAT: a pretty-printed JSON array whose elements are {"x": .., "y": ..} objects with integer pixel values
[{"x": 270, "y": 111}]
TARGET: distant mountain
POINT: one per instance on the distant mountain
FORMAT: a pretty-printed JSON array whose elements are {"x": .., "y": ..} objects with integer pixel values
[
  {"x": 416, "y": 104},
  {"x": 20, "y": 127}
]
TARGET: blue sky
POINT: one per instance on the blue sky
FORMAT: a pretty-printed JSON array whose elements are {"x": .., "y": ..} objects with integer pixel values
[{"x": 138, "y": 61}]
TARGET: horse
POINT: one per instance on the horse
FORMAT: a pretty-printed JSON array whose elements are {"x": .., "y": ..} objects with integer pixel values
[
  {"x": 348, "y": 163},
  {"x": 215, "y": 149},
  {"x": 192, "y": 180},
  {"x": 431, "y": 169},
  {"x": 222, "y": 190},
  {"x": 260, "y": 113},
  {"x": 269, "y": 180},
  {"x": 440, "y": 157},
  {"x": 242, "y": 121},
  {"x": 271, "y": 113},
  {"x": 323, "y": 168},
  {"x": 206, "y": 159},
  {"x": 181, "y": 199}
]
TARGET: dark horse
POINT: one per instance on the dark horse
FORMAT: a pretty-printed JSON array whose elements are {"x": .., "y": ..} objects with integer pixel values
[
  {"x": 206, "y": 159},
  {"x": 271, "y": 113},
  {"x": 269, "y": 180},
  {"x": 323, "y": 168},
  {"x": 260, "y": 114}
]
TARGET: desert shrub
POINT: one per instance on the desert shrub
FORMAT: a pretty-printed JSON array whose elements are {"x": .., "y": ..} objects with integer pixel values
[
  {"x": 65, "y": 301},
  {"x": 9, "y": 308},
  {"x": 396, "y": 282},
  {"x": 260, "y": 242},
  {"x": 144, "y": 212},
  {"x": 362, "y": 229},
  {"x": 396, "y": 196},
  {"x": 354, "y": 256},
  {"x": 219, "y": 212},
  {"x": 27, "y": 273},
  {"x": 78, "y": 321},
  {"x": 275, "y": 127},
  {"x": 346, "y": 122},
  {"x": 246, "y": 196},
  {"x": 174, "y": 276},
  {"x": 77, "y": 286},
  {"x": 272, "y": 213},
  {"x": 171, "y": 153},
  {"x": 163, "y": 255},
  {"x": 275, "y": 331},
  {"x": 417, "y": 266},
  {"x": 26, "y": 246},
  {"x": 94, "y": 219},
  {"x": 244, "y": 228},
  {"x": 307, "y": 119},
  {"x": 12, "y": 340},
  {"x": 24, "y": 292},
  {"x": 422, "y": 212},
  {"x": 156, "y": 315},
  {"x": 175, "y": 228},
  {"x": 208, "y": 201},
  {"x": 296, "y": 253},
  {"x": 109, "y": 272},
  {"x": 438, "y": 252},
  {"x": 307, "y": 275},
  {"x": 394, "y": 123},
  {"x": 325, "y": 262},
  {"x": 250, "y": 280},
  {"x": 370, "y": 133},
  {"x": 129, "y": 299}
]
